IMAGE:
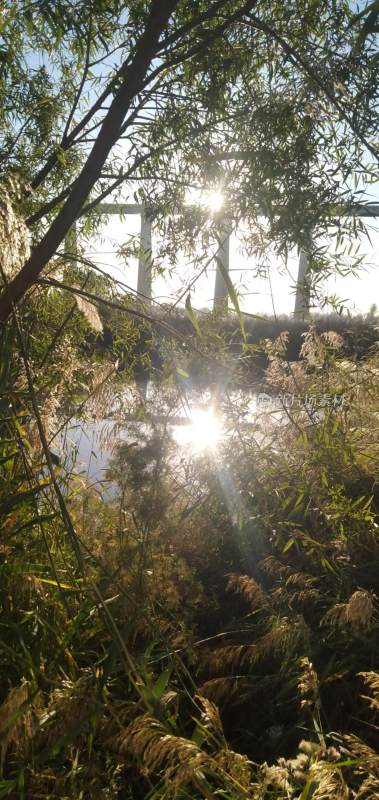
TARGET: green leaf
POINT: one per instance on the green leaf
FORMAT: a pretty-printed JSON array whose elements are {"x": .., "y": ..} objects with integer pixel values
[
  {"x": 22, "y": 433},
  {"x": 182, "y": 372},
  {"x": 61, "y": 156},
  {"x": 327, "y": 565},
  {"x": 192, "y": 316},
  {"x": 60, "y": 585},
  {"x": 232, "y": 294},
  {"x": 6, "y": 787},
  {"x": 307, "y": 788},
  {"x": 161, "y": 684},
  {"x": 299, "y": 500}
]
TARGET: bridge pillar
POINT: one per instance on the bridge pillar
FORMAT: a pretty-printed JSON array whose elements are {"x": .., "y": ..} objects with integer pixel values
[
  {"x": 302, "y": 286},
  {"x": 221, "y": 294},
  {"x": 144, "y": 280}
]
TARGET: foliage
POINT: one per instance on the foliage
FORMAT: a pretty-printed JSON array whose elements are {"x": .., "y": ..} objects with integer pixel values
[
  {"x": 272, "y": 106},
  {"x": 200, "y": 624},
  {"x": 134, "y": 654}
]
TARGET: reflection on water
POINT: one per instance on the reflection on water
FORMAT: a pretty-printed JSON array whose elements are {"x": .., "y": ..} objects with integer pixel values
[{"x": 87, "y": 448}]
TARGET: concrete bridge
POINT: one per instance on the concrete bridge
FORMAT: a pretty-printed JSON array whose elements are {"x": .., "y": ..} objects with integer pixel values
[{"x": 220, "y": 295}]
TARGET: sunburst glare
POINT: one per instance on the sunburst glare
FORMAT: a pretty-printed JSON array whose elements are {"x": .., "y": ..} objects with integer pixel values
[
  {"x": 203, "y": 431},
  {"x": 211, "y": 199},
  {"x": 214, "y": 200}
]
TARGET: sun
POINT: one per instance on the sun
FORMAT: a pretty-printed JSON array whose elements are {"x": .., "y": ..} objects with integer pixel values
[
  {"x": 203, "y": 431},
  {"x": 214, "y": 200},
  {"x": 211, "y": 199}
]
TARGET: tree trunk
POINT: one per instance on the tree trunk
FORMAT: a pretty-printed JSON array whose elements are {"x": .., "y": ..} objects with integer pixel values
[{"x": 160, "y": 13}]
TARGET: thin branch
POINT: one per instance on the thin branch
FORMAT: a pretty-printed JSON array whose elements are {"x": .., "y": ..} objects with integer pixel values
[
  {"x": 94, "y": 298},
  {"x": 133, "y": 78},
  {"x": 298, "y": 61},
  {"x": 191, "y": 25},
  {"x": 61, "y": 328},
  {"x": 55, "y": 201},
  {"x": 81, "y": 85}
]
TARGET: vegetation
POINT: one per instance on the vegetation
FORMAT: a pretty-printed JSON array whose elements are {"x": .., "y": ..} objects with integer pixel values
[{"x": 205, "y": 622}]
